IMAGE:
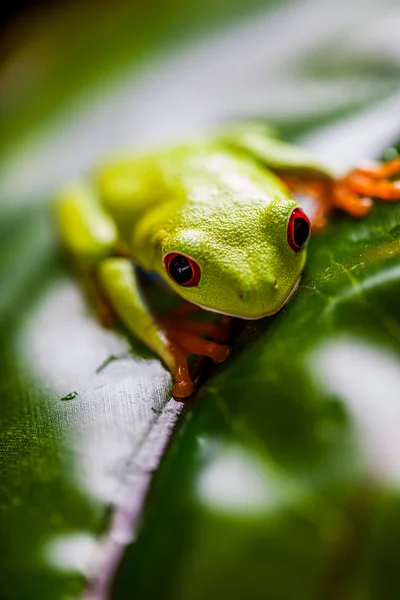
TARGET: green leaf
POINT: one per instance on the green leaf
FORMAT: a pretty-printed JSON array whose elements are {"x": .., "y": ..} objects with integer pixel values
[
  {"x": 282, "y": 480},
  {"x": 281, "y": 477}
]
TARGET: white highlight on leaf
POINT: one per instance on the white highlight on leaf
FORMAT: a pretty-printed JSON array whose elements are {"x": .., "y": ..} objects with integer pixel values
[
  {"x": 238, "y": 481},
  {"x": 105, "y": 423},
  {"x": 356, "y": 138},
  {"x": 71, "y": 552},
  {"x": 367, "y": 378}
]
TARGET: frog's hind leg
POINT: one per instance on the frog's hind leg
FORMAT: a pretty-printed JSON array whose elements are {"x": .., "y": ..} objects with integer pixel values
[
  {"x": 352, "y": 193},
  {"x": 377, "y": 170},
  {"x": 302, "y": 173},
  {"x": 375, "y": 181},
  {"x": 88, "y": 234},
  {"x": 328, "y": 194},
  {"x": 87, "y": 231},
  {"x": 97, "y": 299}
]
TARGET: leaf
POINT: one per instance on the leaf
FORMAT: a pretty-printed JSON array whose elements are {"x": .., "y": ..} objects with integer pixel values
[
  {"x": 283, "y": 480},
  {"x": 278, "y": 482}
]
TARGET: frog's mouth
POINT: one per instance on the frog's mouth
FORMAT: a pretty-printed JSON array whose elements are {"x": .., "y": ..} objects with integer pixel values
[{"x": 266, "y": 314}]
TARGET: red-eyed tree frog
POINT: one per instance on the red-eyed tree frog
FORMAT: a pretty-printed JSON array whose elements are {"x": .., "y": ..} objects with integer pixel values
[{"x": 216, "y": 220}]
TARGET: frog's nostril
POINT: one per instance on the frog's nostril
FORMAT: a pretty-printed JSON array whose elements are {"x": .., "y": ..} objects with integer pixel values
[{"x": 240, "y": 295}]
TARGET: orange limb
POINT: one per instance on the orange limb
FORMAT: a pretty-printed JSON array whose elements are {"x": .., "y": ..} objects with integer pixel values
[
  {"x": 183, "y": 385},
  {"x": 351, "y": 193},
  {"x": 217, "y": 332},
  {"x": 345, "y": 198},
  {"x": 384, "y": 189},
  {"x": 193, "y": 344},
  {"x": 184, "y": 339},
  {"x": 381, "y": 170}
]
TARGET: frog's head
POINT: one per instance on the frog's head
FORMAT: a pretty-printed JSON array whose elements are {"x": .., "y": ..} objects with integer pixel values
[{"x": 245, "y": 263}]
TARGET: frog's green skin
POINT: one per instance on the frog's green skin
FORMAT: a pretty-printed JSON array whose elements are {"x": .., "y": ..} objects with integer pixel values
[{"x": 217, "y": 201}]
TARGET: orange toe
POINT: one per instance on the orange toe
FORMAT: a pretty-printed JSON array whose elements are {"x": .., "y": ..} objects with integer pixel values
[
  {"x": 345, "y": 198},
  {"x": 220, "y": 352},
  {"x": 183, "y": 389}
]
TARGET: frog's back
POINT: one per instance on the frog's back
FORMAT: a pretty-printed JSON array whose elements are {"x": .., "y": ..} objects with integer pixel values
[
  {"x": 201, "y": 174},
  {"x": 215, "y": 173}
]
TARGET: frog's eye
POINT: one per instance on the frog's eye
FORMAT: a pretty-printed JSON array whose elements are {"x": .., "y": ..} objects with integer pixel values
[
  {"x": 299, "y": 229},
  {"x": 182, "y": 269}
]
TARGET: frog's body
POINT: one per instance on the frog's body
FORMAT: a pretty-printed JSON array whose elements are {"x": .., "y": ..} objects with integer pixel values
[
  {"x": 221, "y": 207},
  {"x": 217, "y": 208}
]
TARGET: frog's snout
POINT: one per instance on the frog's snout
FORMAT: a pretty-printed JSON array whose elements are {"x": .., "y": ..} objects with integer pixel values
[{"x": 258, "y": 298}]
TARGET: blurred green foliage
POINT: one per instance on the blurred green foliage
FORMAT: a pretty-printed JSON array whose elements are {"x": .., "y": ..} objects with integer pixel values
[{"x": 55, "y": 55}]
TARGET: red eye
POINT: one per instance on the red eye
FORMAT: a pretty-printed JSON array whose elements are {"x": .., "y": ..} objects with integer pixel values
[
  {"x": 182, "y": 269},
  {"x": 299, "y": 229}
]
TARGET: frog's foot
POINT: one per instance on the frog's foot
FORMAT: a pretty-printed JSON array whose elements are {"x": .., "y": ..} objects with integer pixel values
[
  {"x": 377, "y": 170},
  {"x": 194, "y": 344},
  {"x": 183, "y": 385},
  {"x": 184, "y": 339},
  {"x": 182, "y": 343},
  {"x": 353, "y": 193}
]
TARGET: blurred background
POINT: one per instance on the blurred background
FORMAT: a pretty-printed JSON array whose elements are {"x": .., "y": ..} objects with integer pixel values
[{"x": 281, "y": 478}]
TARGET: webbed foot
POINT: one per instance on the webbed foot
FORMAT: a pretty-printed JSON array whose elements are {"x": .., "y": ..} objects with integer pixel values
[
  {"x": 184, "y": 339},
  {"x": 352, "y": 193}
]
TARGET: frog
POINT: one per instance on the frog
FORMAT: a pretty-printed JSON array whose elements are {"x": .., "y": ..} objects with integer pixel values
[{"x": 218, "y": 221}]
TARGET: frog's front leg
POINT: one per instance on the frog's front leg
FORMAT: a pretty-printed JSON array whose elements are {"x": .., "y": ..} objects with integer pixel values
[
  {"x": 119, "y": 281},
  {"x": 188, "y": 334}
]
